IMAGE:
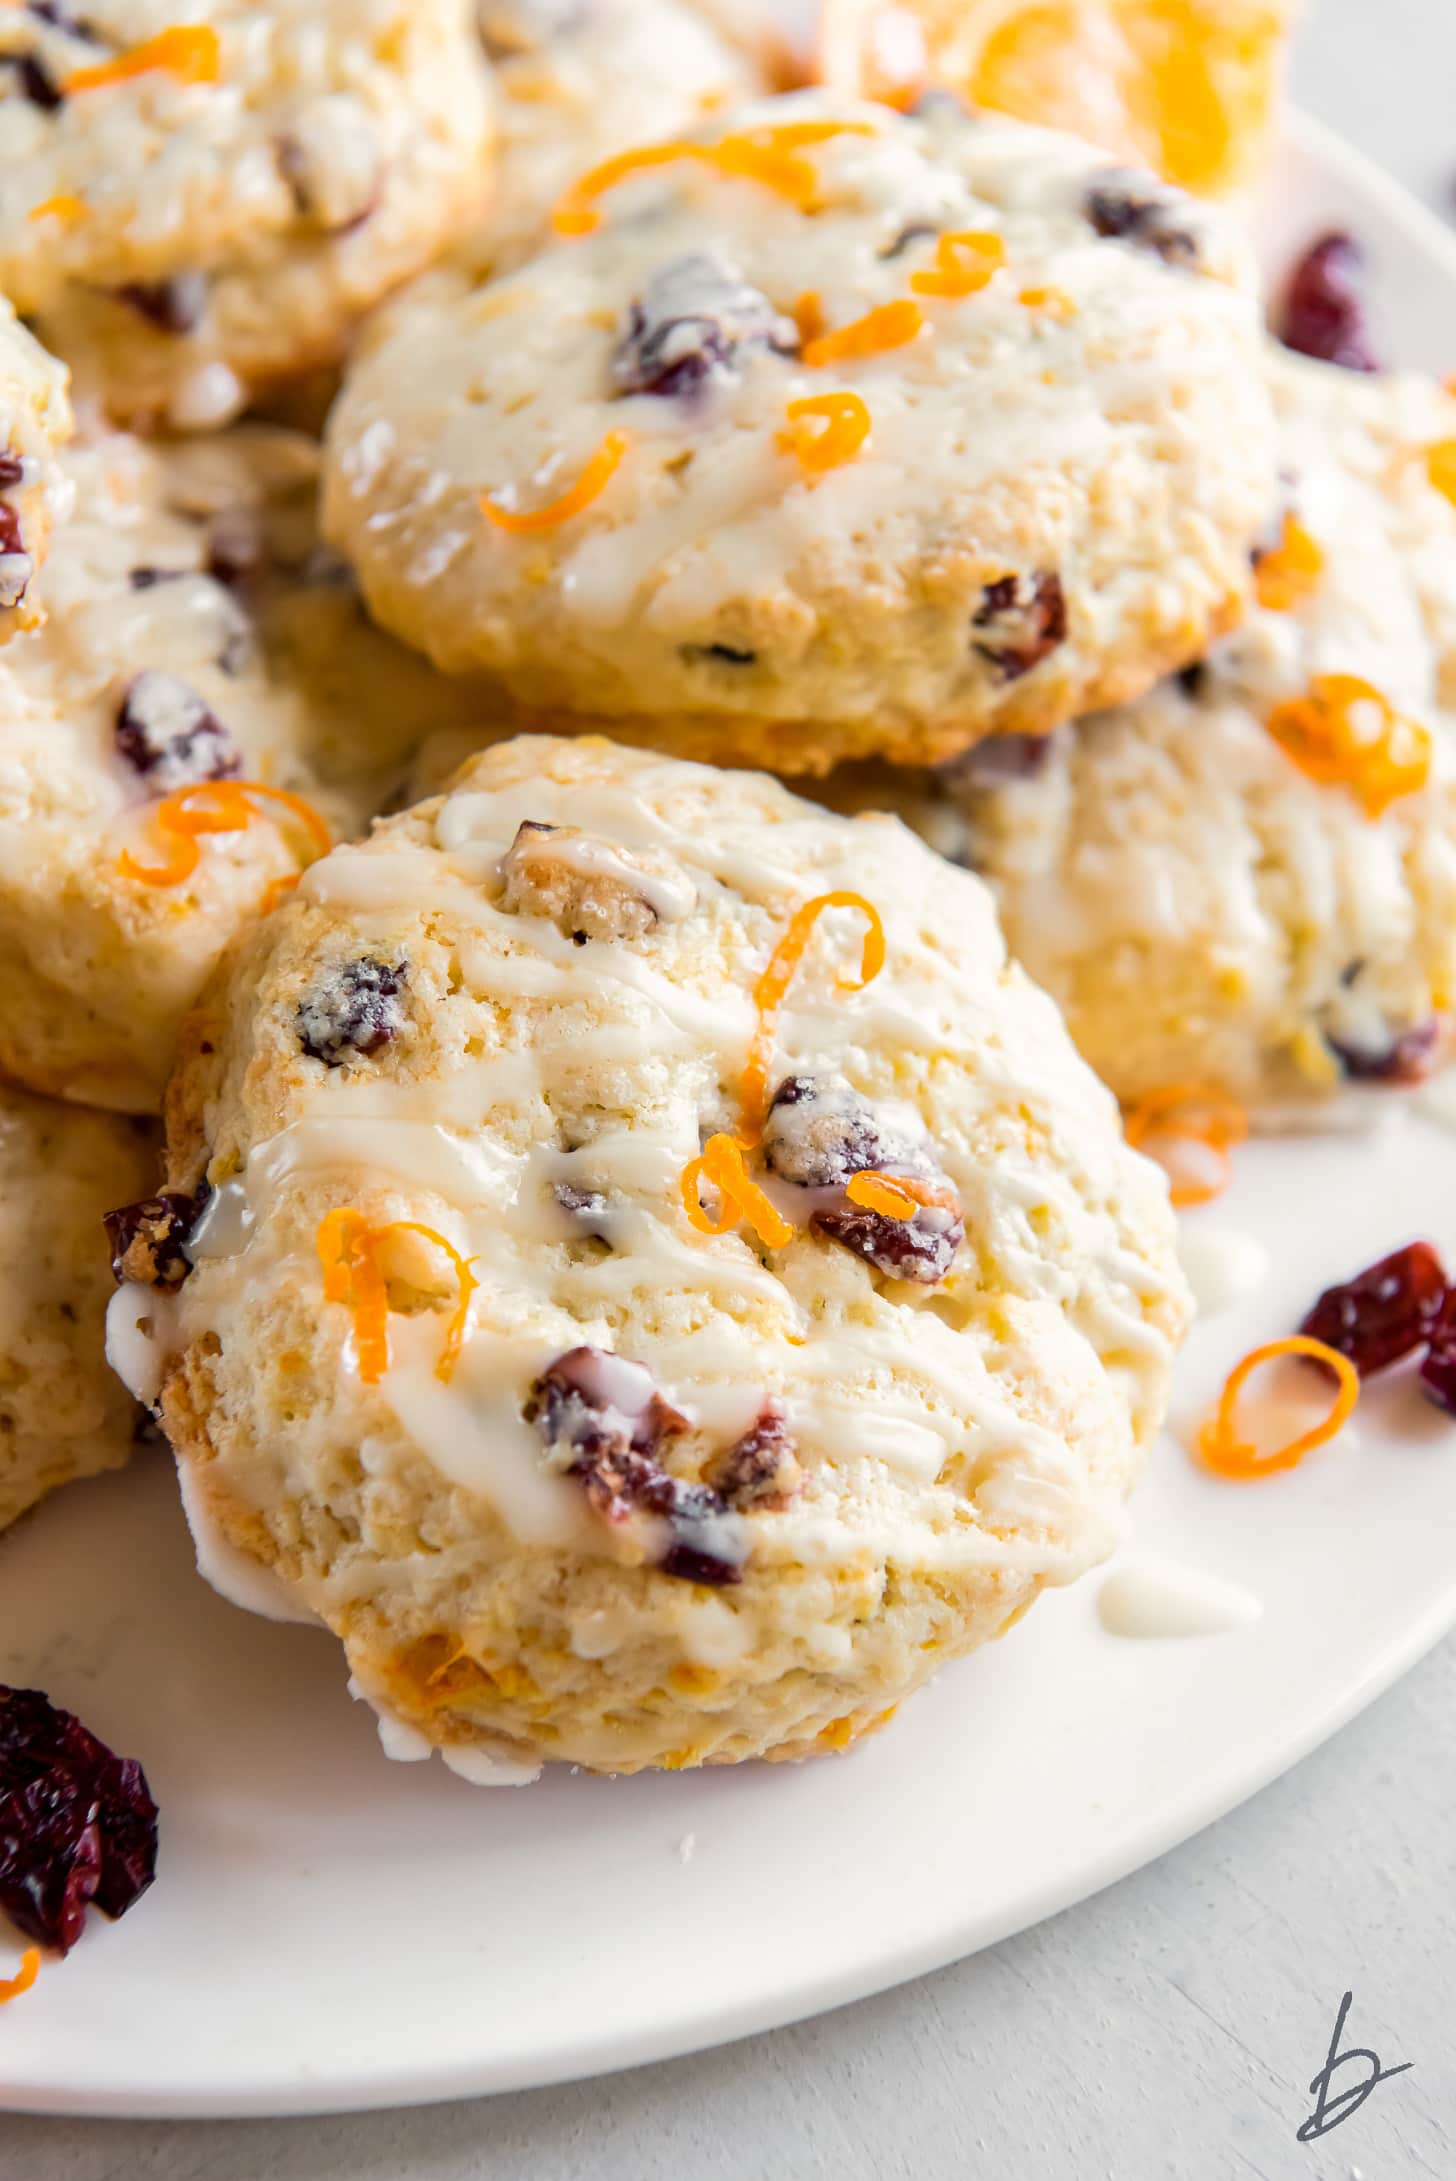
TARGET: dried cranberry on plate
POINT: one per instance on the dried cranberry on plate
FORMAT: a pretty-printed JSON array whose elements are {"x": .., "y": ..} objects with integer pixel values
[
  {"x": 1323, "y": 313},
  {"x": 77, "y": 1823},
  {"x": 1386, "y": 1312}
]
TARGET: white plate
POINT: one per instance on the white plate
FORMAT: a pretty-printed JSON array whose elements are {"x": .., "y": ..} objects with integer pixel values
[{"x": 330, "y": 1930}]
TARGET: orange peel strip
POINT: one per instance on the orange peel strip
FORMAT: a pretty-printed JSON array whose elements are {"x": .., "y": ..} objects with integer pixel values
[
  {"x": 188, "y": 51},
  {"x": 1228, "y": 1456},
  {"x": 898, "y": 1196},
  {"x": 1317, "y": 733},
  {"x": 593, "y": 481},
  {"x": 66, "y": 206},
  {"x": 722, "y": 1163},
  {"x": 1288, "y": 574},
  {"x": 12, "y": 1987},
  {"x": 846, "y": 422},
  {"x": 889, "y": 326},
  {"x": 214, "y": 806},
  {"x": 1199, "y": 1113},
  {"x": 772, "y": 987},
  {"x": 964, "y": 262},
  {"x": 1441, "y": 467},
  {"x": 348, "y": 1252},
  {"x": 759, "y": 155}
]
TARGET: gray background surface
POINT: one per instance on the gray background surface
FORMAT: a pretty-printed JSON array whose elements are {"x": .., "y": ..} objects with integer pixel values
[{"x": 1168, "y": 2028}]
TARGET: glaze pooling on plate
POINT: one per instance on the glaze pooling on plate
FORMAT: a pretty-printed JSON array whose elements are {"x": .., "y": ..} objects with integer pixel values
[{"x": 625, "y": 1492}]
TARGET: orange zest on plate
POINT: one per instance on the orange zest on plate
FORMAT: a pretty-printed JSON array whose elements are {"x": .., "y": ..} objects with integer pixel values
[
  {"x": 964, "y": 262},
  {"x": 1221, "y": 1450},
  {"x": 12, "y": 1987},
  {"x": 214, "y": 806},
  {"x": 1379, "y": 760},
  {"x": 889, "y": 326},
  {"x": 66, "y": 207},
  {"x": 593, "y": 481},
  {"x": 722, "y": 1163},
  {"x": 348, "y": 1248},
  {"x": 772, "y": 988},
  {"x": 1195, "y": 1113},
  {"x": 846, "y": 427},
  {"x": 767, "y": 155},
  {"x": 188, "y": 51},
  {"x": 1288, "y": 574},
  {"x": 898, "y": 1196}
]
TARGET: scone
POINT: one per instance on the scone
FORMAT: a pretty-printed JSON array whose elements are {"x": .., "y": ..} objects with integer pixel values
[
  {"x": 845, "y": 433},
  {"x": 1187, "y": 87},
  {"x": 63, "y": 1414},
  {"x": 650, "y": 1316},
  {"x": 1249, "y": 879},
  {"x": 190, "y": 208},
  {"x": 577, "y": 81},
  {"x": 203, "y": 665},
  {"x": 35, "y": 420}
]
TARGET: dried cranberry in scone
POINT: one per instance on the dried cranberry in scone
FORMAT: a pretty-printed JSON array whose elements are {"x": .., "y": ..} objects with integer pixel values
[
  {"x": 172, "y": 306},
  {"x": 1022, "y": 620},
  {"x": 1130, "y": 206},
  {"x": 1324, "y": 305},
  {"x": 148, "y": 1240},
  {"x": 168, "y": 735},
  {"x": 1408, "y": 1058},
  {"x": 589, "y": 887},
  {"x": 761, "y": 1470},
  {"x": 818, "y": 1134},
  {"x": 352, "y": 1010},
  {"x": 692, "y": 320},
  {"x": 16, "y": 565}
]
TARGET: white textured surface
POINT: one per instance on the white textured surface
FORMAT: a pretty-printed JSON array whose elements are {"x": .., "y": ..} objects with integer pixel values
[{"x": 1167, "y": 2028}]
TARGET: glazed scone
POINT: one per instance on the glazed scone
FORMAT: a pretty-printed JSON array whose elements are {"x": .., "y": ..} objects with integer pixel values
[
  {"x": 35, "y": 420},
  {"x": 634, "y": 1493},
  {"x": 594, "y": 478},
  {"x": 1203, "y": 907},
  {"x": 195, "y": 202},
  {"x": 63, "y": 1414},
  {"x": 197, "y": 636}
]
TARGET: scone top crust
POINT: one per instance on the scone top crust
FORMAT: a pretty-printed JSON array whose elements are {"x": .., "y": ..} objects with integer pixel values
[
  {"x": 35, "y": 420},
  {"x": 870, "y": 1443},
  {"x": 223, "y": 188},
  {"x": 197, "y": 636},
  {"x": 1064, "y": 466},
  {"x": 1200, "y": 904}
]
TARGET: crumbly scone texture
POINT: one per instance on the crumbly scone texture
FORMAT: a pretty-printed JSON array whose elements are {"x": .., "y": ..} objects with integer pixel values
[
  {"x": 894, "y": 1466},
  {"x": 1054, "y": 505},
  {"x": 196, "y": 632},
  {"x": 1201, "y": 907},
  {"x": 181, "y": 242},
  {"x": 35, "y": 421},
  {"x": 63, "y": 1413}
]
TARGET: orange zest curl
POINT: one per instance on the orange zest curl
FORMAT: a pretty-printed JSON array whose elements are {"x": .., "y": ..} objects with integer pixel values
[
  {"x": 348, "y": 1251},
  {"x": 808, "y": 316},
  {"x": 846, "y": 427},
  {"x": 890, "y": 326},
  {"x": 1219, "y": 1448},
  {"x": 188, "y": 51},
  {"x": 1197, "y": 1113},
  {"x": 1441, "y": 466},
  {"x": 1287, "y": 575},
  {"x": 964, "y": 262},
  {"x": 722, "y": 1163},
  {"x": 214, "y": 806},
  {"x": 12, "y": 1987},
  {"x": 593, "y": 481},
  {"x": 772, "y": 988},
  {"x": 1321, "y": 734},
  {"x": 274, "y": 891},
  {"x": 67, "y": 207},
  {"x": 898, "y": 1196},
  {"x": 767, "y": 155}
]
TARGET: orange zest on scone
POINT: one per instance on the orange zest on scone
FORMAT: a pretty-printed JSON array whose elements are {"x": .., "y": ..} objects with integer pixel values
[
  {"x": 846, "y": 422},
  {"x": 593, "y": 481},
  {"x": 772, "y": 988},
  {"x": 214, "y": 806},
  {"x": 964, "y": 262},
  {"x": 1287, "y": 575},
  {"x": 188, "y": 51},
  {"x": 348, "y": 1251},
  {"x": 1221, "y": 1450},
  {"x": 898, "y": 1196},
  {"x": 765, "y": 155},
  {"x": 722, "y": 1163},
  {"x": 1195, "y": 1113},
  {"x": 890, "y": 326},
  {"x": 1343, "y": 731}
]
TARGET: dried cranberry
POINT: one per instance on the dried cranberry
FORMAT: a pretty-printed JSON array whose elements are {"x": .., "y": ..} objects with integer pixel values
[
  {"x": 819, "y": 1133},
  {"x": 77, "y": 1823},
  {"x": 173, "y": 306},
  {"x": 12, "y": 469},
  {"x": 61, "y": 18},
  {"x": 915, "y": 231},
  {"x": 1385, "y": 1312},
  {"x": 692, "y": 320},
  {"x": 607, "y": 1415},
  {"x": 148, "y": 1240},
  {"x": 1438, "y": 1365},
  {"x": 168, "y": 734},
  {"x": 1127, "y": 206},
  {"x": 998, "y": 757},
  {"x": 35, "y": 80},
  {"x": 1407, "y": 1059},
  {"x": 1025, "y": 619},
  {"x": 353, "y": 1007},
  {"x": 1324, "y": 305},
  {"x": 761, "y": 1469},
  {"x": 587, "y": 1207}
]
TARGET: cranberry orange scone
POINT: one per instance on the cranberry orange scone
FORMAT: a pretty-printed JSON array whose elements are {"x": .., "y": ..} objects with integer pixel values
[
  {"x": 197, "y": 200},
  {"x": 1249, "y": 878},
  {"x": 662, "y": 1281},
  {"x": 203, "y": 666},
  {"x": 35, "y": 419},
  {"x": 845, "y": 432},
  {"x": 62, "y": 1412}
]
